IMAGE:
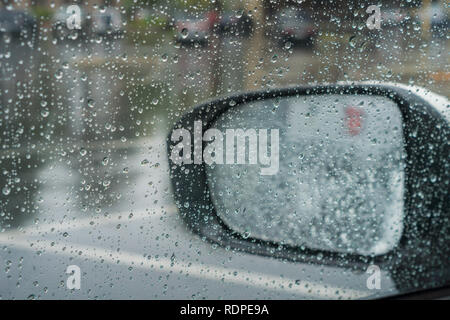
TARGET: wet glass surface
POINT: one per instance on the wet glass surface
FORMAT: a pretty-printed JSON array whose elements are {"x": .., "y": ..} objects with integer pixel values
[{"x": 84, "y": 117}]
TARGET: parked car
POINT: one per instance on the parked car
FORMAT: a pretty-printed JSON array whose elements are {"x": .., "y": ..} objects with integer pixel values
[
  {"x": 393, "y": 17},
  {"x": 107, "y": 22},
  {"x": 194, "y": 28},
  {"x": 235, "y": 24},
  {"x": 439, "y": 21},
  {"x": 294, "y": 25},
  {"x": 17, "y": 23}
]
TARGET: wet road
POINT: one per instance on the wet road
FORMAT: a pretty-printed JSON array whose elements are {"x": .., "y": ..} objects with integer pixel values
[{"x": 128, "y": 240}]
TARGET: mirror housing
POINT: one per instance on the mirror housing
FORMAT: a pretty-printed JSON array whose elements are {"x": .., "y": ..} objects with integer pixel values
[{"x": 427, "y": 174}]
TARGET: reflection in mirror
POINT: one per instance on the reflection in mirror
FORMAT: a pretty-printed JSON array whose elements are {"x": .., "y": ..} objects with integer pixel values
[{"x": 340, "y": 181}]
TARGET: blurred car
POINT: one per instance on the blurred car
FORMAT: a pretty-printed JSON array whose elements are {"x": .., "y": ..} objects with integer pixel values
[
  {"x": 393, "y": 17},
  {"x": 107, "y": 22},
  {"x": 60, "y": 29},
  {"x": 235, "y": 24},
  {"x": 439, "y": 21},
  {"x": 193, "y": 29},
  {"x": 17, "y": 23},
  {"x": 295, "y": 26}
]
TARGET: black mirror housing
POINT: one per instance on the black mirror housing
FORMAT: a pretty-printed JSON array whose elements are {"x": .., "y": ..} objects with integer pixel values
[{"x": 427, "y": 181}]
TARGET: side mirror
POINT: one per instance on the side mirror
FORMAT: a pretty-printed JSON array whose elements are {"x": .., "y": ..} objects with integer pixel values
[{"x": 344, "y": 175}]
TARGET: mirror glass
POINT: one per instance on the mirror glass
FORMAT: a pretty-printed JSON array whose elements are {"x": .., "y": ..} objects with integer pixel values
[{"x": 320, "y": 171}]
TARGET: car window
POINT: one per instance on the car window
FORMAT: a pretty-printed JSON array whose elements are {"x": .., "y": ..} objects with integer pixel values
[{"x": 90, "y": 91}]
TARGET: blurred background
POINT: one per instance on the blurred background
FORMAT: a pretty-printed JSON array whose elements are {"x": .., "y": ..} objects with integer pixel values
[
  {"x": 154, "y": 57},
  {"x": 82, "y": 96}
]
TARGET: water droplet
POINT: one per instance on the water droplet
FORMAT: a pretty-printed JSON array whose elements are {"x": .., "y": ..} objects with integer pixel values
[
  {"x": 352, "y": 41},
  {"x": 6, "y": 190},
  {"x": 91, "y": 103},
  {"x": 83, "y": 152},
  {"x": 45, "y": 113},
  {"x": 59, "y": 74},
  {"x": 184, "y": 33}
]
